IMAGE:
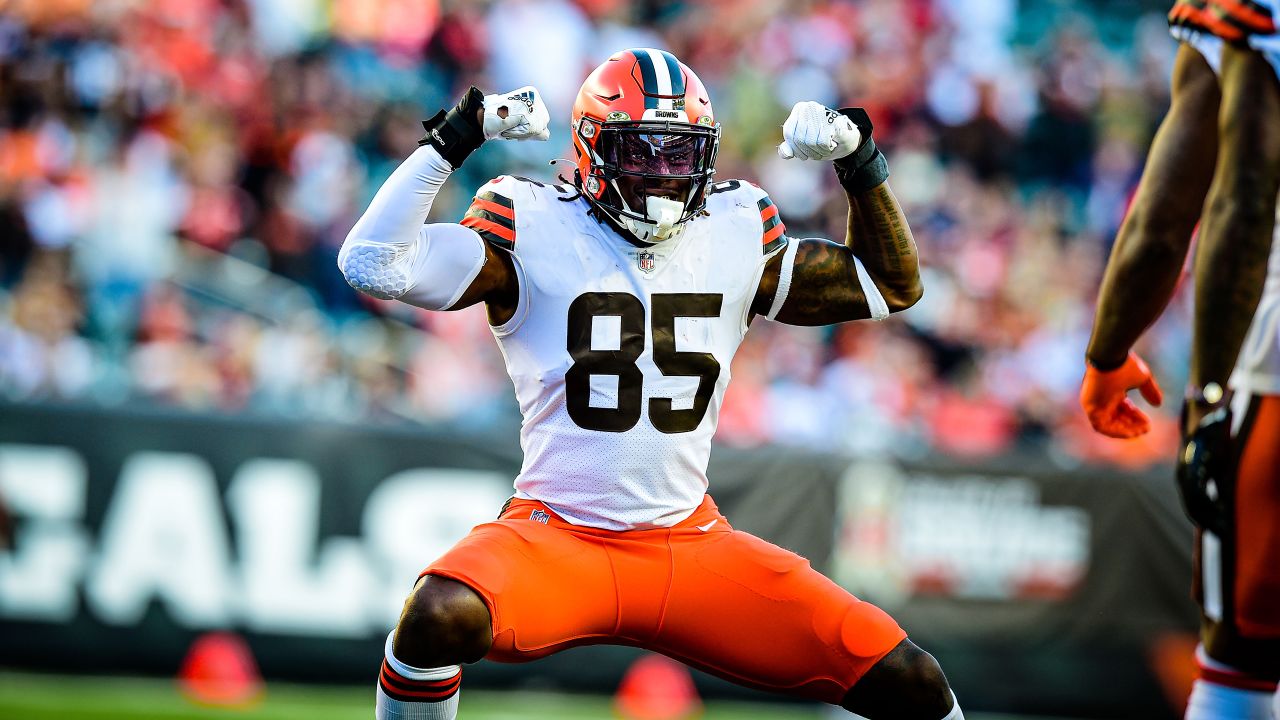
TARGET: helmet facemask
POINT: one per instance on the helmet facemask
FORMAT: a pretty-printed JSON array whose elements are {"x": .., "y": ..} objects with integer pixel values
[{"x": 650, "y": 177}]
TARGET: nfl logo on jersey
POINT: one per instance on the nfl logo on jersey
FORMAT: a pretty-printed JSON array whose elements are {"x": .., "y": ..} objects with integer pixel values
[
  {"x": 539, "y": 516},
  {"x": 646, "y": 260}
]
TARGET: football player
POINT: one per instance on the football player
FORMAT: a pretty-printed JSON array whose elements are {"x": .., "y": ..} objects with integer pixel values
[
  {"x": 1221, "y": 138},
  {"x": 618, "y": 301}
]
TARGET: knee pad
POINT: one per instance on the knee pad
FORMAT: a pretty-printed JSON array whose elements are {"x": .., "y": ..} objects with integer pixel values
[{"x": 866, "y": 631}]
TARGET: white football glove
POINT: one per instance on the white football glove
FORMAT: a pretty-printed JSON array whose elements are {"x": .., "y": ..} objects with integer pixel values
[
  {"x": 816, "y": 132},
  {"x": 526, "y": 116}
]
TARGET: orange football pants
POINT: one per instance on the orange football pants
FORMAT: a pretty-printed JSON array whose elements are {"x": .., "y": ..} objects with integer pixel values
[
  {"x": 1257, "y": 523},
  {"x": 715, "y": 598}
]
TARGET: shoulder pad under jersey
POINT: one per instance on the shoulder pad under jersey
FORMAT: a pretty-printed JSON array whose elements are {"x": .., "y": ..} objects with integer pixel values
[
  {"x": 492, "y": 213},
  {"x": 749, "y": 197}
]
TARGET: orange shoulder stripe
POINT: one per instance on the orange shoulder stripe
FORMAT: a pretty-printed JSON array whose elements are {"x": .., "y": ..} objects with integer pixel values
[
  {"x": 1249, "y": 15},
  {"x": 494, "y": 208},
  {"x": 476, "y": 223}
]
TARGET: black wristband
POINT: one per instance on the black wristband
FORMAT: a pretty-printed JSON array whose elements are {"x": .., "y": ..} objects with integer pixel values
[
  {"x": 866, "y": 167},
  {"x": 456, "y": 133}
]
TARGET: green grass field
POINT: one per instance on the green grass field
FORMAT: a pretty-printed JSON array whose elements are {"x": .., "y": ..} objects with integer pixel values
[{"x": 45, "y": 697}]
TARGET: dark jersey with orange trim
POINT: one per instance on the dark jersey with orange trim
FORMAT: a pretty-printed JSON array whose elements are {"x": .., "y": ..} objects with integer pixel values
[{"x": 620, "y": 353}]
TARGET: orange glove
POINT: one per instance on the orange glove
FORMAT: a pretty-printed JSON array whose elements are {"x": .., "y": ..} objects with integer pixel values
[{"x": 1103, "y": 397}]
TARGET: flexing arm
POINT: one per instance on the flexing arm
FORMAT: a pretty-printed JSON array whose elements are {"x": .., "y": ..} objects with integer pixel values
[
  {"x": 876, "y": 271},
  {"x": 391, "y": 254},
  {"x": 879, "y": 236}
]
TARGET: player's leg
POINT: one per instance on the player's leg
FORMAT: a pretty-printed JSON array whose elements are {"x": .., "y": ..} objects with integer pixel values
[
  {"x": 444, "y": 624},
  {"x": 1238, "y": 581},
  {"x": 753, "y": 613},
  {"x": 1235, "y": 235},
  {"x": 907, "y": 680},
  {"x": 513, "y": 590},
  {"x": 1152, "y": 243}
]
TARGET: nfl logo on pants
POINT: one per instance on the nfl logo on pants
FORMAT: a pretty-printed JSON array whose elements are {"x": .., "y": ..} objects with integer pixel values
[{"x": 539, "y": 516}]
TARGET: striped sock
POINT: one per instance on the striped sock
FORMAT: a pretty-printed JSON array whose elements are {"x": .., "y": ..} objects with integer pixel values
[
  {"x": 409, "y": 693},
  {"x": 1224, "y": 692},
  {"x": 955, "y": 713}
]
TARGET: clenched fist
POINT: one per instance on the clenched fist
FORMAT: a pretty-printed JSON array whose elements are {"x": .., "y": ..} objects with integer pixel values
[
  {"x": 816, "y": 132},
  {"x": 516, "y": 115}
]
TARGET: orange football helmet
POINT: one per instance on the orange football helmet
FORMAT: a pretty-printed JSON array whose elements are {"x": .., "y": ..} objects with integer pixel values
[{"x": 643, "y": 118}]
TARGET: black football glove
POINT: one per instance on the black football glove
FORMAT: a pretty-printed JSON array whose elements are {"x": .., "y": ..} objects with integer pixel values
[{"x": 1207, "y": 472}]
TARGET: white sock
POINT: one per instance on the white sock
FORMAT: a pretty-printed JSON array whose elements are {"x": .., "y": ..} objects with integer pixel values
[
  {"x": 1224, "y": 693},
  {"x": 1211, "y": 701},
  {"x": 835, "y": 711},
  {"x": 410, "y": 693}
]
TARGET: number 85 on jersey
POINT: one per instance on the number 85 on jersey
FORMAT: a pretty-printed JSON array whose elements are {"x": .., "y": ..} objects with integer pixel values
[{"x": 630, "y": 311}]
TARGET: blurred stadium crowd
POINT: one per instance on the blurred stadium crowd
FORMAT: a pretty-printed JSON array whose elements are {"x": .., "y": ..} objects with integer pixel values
[{"x": 176, "y": 177}]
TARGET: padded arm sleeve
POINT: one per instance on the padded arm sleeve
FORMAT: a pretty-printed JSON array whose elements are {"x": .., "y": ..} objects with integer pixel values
[
  {"x": 432, "y": 271},
  {"x": 391, "y": 255}
]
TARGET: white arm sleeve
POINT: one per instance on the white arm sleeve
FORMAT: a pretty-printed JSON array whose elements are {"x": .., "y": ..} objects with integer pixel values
[
  {"x": 875, "y": 301},
  {"x": 391, "y": 255},
  {"x": 784, "y": 279}
]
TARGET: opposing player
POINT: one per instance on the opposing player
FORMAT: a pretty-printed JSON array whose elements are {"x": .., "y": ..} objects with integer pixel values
[
  {"x": 1221, "y": 138},
  {"x": 618, "y": 302}
]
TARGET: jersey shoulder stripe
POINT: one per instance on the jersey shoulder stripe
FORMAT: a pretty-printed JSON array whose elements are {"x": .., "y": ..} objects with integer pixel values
[
  {"x": 744, "y": 197},
  {"x": 774, "y": 230},
  {"x": 493, "y": 216},
  {"x": 1248, "y": 15},
  {"x": 1233, "y": 21},
  {"x": 1189, "y": 14}
]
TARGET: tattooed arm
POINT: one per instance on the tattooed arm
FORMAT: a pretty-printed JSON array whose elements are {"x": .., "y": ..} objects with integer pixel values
[{"x": 824, "y": 285}]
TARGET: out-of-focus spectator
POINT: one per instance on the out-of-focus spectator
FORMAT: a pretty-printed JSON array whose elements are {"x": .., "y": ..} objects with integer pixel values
[
  {"x": 40, "y": 351},
  {"x": 7, "y": 528}
]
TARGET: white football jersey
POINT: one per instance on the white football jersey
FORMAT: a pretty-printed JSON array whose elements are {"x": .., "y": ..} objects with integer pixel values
[
  {"x": 1258, "y": 367},
  {"x": 620, "y": 354}
]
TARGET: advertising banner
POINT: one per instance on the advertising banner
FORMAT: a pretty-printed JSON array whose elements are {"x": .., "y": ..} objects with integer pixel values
[{"x": 138, "y": 531}]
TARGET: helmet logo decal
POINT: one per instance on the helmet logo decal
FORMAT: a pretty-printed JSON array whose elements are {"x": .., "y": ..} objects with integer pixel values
[
  {"x": 588, "y": 129},
  {"x": 678, "y": 103},
  {"x": 593, "y": 185},
  {"x": 617, "y": 116},
  {"x": 706, "y": 120}
]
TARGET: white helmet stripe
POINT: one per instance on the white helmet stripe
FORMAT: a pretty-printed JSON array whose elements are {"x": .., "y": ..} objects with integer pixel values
[{"x": 663, "y": 76}]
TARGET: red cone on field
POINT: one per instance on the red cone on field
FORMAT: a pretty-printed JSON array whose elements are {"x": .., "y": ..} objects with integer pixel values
[
  {"x": 657, "y": 688},
  {"x": 220, "y": 670}
]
